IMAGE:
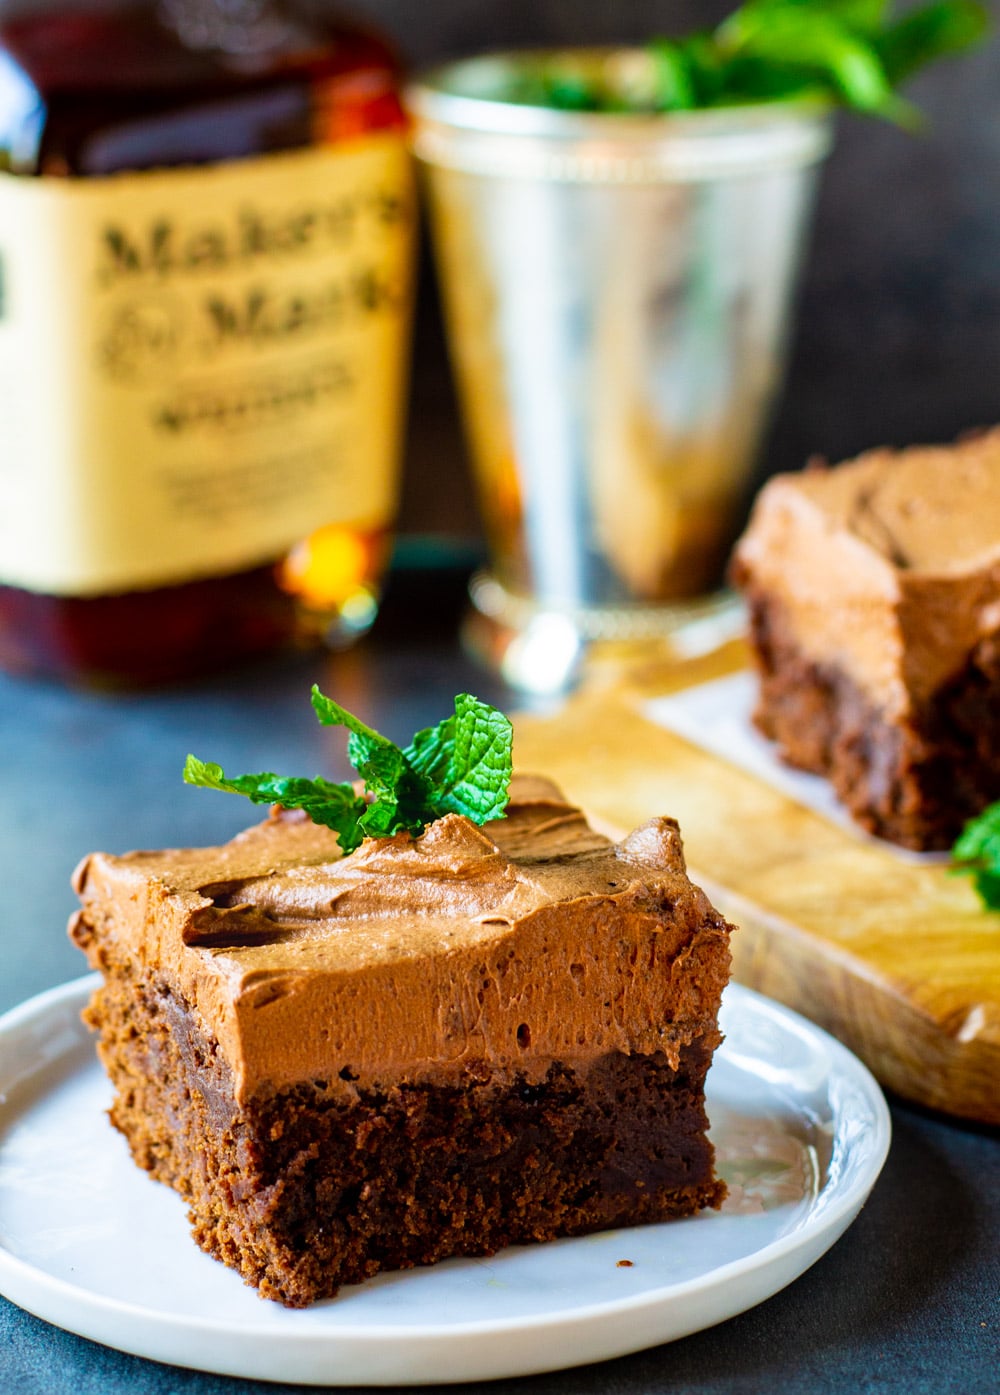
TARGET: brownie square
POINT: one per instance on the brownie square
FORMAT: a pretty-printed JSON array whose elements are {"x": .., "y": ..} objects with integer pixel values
[
  {"x": 437, "y": 1046},
  {"x": 873, "y": 591}
]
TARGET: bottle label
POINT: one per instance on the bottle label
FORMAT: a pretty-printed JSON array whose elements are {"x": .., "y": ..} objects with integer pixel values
[{"x": 199, "y": 366}]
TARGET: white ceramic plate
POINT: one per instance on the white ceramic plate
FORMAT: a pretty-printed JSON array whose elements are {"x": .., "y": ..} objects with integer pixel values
[{"x": 90, "y": 1243}]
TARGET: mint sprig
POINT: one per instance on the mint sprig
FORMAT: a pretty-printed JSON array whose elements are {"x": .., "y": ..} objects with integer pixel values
[
  {"x": 977, "y": 854},
  {"x": 460, "y": 766},
  {"x": 852, "y": 53}
]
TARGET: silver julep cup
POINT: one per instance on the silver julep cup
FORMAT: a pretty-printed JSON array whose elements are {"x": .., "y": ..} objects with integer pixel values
[{"x": 616, "y": 291}]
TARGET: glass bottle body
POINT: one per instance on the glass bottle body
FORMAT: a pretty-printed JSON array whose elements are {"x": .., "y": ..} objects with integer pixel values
[{"x": 252, "y": 296}]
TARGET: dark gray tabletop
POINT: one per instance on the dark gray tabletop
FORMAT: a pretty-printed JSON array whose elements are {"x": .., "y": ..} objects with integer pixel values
[{"x": 908, "y": 1300}]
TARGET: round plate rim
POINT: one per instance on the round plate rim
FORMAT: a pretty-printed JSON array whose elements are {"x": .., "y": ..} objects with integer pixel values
[{"x": 828, "y": 1226}]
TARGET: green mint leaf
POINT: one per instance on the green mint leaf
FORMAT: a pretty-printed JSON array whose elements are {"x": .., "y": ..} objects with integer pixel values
[
  {"x": 867, "y": 17},
  {"x": 673, "y": 79},
  {"x": 706, "y": 69},
  {"x": 336, "y": 806},
  {"x": 977, "y": 854},
  {"x": 569, "y": 92},
  {"x": 429, "y": 753},
  {"x": 478, "y": 780},
  {"x": 398, "y": 795},
  {"x": 466, "y": 760},
  {"x": 801, "y": 37},
  {"x": 933, "y": 32},
  {"x": 331, "y": 714},
  {"x": 863, "y": 16}
]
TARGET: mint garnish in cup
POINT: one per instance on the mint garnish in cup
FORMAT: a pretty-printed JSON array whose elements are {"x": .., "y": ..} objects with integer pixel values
[{"x": 851, "y": 53}]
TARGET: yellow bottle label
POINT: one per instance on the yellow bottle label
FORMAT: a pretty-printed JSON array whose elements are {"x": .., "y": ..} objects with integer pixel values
[{"x": 199, "y": 366}]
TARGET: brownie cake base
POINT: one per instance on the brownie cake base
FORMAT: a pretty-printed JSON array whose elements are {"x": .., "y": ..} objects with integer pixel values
[
  {"x": 325, "y": 1184},
  {"x": 914, "y": 782}
]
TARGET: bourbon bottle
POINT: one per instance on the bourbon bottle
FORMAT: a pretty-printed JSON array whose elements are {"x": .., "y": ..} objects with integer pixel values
[{"x": 206, "y": 228}]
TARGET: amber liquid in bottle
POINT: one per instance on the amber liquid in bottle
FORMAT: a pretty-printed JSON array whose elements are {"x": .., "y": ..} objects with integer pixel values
[{"x": 98, "y": 90}]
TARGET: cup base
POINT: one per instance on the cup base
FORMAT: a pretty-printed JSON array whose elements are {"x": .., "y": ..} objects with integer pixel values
[{"x": 543, "y": 650}]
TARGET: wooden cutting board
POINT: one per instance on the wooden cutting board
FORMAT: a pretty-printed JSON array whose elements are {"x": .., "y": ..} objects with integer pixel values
[{"x": 895, "y": 957}]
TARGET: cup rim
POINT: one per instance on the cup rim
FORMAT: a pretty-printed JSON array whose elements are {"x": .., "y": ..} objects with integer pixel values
[
  {"x": 458, "y": 124},
  {"x": 446, "y": 94}
]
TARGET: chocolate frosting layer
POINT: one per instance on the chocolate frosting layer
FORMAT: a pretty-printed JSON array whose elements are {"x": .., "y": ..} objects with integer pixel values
[
  {"x": 505, "y": 948},
  {"x": 887, "y": 566}
]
